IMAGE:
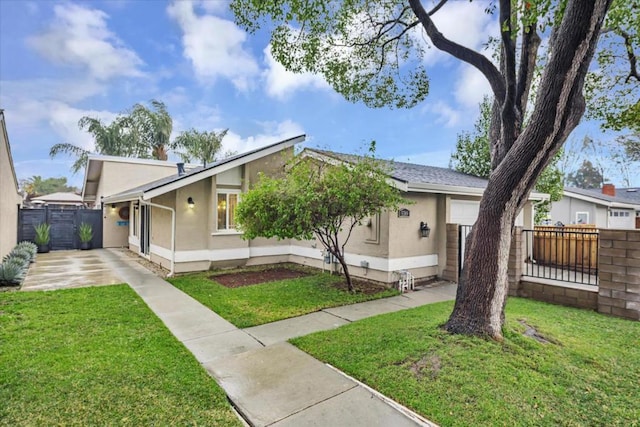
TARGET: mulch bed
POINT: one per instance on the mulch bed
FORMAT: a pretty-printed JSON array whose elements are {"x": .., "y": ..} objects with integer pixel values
[{"x": 246, "y": 278}]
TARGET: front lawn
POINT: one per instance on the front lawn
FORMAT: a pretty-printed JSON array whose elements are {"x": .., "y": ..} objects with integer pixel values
[
  {"x": 267, "y": 302},
  {"x": 98, "y": 356},
  {"x": 588, "y": 375}
]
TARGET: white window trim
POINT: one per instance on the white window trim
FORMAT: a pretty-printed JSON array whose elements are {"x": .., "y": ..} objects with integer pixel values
[
  {"x": 227, "y": 192},
  {"x": 582, "y": 213}
]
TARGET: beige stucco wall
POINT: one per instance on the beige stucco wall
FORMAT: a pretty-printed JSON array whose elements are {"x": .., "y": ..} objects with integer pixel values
[
  {"x": 272, "y": 165},
  {"x": 9, "y": 197},
  {"x": 193, "y": 228},
  {"x": 161, "y": 221},
  {"x": 115, "y": 229},
  {"x": 117, "y": 177}
]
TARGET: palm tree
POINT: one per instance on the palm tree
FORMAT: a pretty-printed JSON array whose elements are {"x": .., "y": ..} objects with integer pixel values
[
  {"x": 152, "y": 128},
  {"x": 114, "y": 139},
  {"x": 203, "y": 146}
]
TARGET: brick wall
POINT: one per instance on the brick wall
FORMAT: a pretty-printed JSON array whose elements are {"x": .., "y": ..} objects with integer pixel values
[
  {"x": 450, "y": 271},
  {"x": 572, "y": 296},
  {"x": 516, "y": 260},
  {"x": 619, "y": 273}
]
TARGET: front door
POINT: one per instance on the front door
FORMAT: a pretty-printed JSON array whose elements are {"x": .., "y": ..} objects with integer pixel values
[{"x": 145, "y": 228}]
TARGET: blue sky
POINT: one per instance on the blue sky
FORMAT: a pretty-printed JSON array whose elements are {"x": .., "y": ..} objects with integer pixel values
[{"x": 60, "y": 61}]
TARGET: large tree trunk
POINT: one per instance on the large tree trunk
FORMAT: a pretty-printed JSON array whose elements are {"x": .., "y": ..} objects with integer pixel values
[{"x": 479, "y": 306}]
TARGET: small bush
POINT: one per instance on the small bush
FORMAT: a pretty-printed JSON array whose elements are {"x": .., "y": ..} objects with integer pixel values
[
  {"x": 32, "y": 248},
  {"x": 19, "y": 253},
  {"x": 12, "y": 272}
]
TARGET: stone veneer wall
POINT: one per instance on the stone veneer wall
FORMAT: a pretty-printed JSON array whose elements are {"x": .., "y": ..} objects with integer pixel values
[
  {"x": 572, "y": 296},
  {"x": 450, "y": 271},
  {"x": 619, "y": 273}
]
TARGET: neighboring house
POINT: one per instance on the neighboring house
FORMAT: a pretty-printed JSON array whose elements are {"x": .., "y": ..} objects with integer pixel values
[
  {"x": 9, "y": 197},
  {"x": 58, "y": 200},
  {"x": 185, "y": 222},
  {"x": 606, "y": 207}
]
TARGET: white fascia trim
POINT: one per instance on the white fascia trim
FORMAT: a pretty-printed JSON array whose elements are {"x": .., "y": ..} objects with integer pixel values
[
  {"x": 419, "y": 187},
  {"x": 136, "y": 161},
  {"x": 222, "y": 168},
  {"x": 130, "y": 197},
  {"x": 600, "y": 201},
  {"x": 375, "y": 263}
]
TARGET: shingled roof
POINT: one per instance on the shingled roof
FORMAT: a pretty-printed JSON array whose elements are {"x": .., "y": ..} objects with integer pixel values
[
  {"x": 414, "y": 173},
  {"x": 623, "y": 195}
]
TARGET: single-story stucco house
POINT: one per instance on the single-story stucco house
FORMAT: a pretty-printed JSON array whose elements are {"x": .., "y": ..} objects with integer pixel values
[
  {"x": 185, "y": 221},
  {"x": 606, "y": 208},
  {"x": 10, "y": 198}
]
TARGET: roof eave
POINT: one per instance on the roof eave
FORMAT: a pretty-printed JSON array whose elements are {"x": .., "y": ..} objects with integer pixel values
[
  {"x": 607, "y": 203},
  {"x": 206, "y": 173}
]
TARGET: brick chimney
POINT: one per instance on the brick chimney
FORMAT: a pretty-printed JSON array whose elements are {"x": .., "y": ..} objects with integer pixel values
[{"x": 609, "y": 190}]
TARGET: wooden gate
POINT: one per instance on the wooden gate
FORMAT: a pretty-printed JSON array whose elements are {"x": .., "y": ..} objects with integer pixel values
[{"x": 64, "y": 226}]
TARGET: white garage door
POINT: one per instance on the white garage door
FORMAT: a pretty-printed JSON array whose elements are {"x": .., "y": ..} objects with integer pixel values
[{"x": 465, "y": 212}]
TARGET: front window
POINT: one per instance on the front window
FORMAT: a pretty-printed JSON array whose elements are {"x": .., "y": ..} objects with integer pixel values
[
  {"x": 582, "y": 217},
  {"x": 227, "y": 203}
]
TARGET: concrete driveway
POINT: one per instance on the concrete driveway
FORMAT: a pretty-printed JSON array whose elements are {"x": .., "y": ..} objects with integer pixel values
[{"x": 71, "y": 269}]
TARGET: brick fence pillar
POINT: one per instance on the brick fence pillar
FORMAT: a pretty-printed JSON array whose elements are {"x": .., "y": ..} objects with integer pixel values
[
  {"x": 619, "y": 273},
  {"x": 516, "y": 260},
  {"x": 451, "y": 269}
]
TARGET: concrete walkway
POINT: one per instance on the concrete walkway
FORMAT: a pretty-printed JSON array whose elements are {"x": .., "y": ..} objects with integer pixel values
[{"x": 270, "y": 382}]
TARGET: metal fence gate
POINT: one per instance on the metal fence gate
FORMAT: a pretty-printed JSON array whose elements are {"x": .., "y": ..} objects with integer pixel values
[{"x": 64, "y": 226}]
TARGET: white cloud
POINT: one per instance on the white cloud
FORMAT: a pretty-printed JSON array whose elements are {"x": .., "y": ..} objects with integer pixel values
[
  {"x": 444, "y": 114},
  {"x": 281, "y": 83},
  {"x": 79, "y": 37},
  {"x": 272, "y": 133},
  {"x": 463, "y": 22},
  {"x": 471, "y": 87},
  {"x": 214, "y": 46}
]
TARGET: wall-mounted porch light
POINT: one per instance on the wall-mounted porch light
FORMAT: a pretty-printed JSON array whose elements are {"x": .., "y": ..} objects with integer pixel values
[
  {"x": 424, "y": 229},
  {"x": 190, "y": 202},
  {"x": 113, "y": 205}
]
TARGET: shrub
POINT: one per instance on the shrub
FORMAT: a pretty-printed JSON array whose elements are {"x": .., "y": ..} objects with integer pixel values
[
  {"x": 32, "y": 248},
  {"x": 42, "y": 234},
  {"x": 12, "y": 272},
  {"x": 85, "y": 232},
  {"x": 18, "y": 254}
]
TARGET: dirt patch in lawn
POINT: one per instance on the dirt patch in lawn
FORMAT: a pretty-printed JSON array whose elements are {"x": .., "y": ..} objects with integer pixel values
[
  {"x": 238, "y": 279},
  {"x": 362, "y": 287},
  {"x": 246, "y": 278}
]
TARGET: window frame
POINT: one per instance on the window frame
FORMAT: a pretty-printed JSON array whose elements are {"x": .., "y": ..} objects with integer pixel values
[
  {"x": 578, "y": 214},
  {"x": 226, "y": 191}
]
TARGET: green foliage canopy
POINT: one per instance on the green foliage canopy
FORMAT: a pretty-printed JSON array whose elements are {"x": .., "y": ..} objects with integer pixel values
[
  {"x": 318, "y": 199},
  {"x": 203, "y": 146}
]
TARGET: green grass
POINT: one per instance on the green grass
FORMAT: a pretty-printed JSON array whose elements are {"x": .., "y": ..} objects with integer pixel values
[
  {"x": 590, "y": 378},
  {"x": 267, "y": 302},
  {"x": 98, "y": 356}
]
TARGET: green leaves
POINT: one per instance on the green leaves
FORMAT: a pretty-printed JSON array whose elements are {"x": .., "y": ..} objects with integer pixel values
[
  {"x": 203, "y": 146},
  {"x": 369, "y": 52},
  {"x": 315, "y": 197}
]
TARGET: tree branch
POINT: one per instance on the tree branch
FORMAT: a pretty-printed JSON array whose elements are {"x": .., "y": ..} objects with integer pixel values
[
  {"x": 528, "y": 57},
  {"x": 508, "y": 63},
  {"x": 465, "y": 54},
  {"x": 633, "y": 70}
]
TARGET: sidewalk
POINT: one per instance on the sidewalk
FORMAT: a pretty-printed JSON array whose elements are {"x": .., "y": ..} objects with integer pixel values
[{"x": 270, "y": 382}]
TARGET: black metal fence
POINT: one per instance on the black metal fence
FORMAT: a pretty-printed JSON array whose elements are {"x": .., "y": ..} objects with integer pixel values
[{"x": 558, "y": 254}]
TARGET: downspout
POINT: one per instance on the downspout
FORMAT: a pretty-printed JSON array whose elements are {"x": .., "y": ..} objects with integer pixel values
[{"x": 173, "y": 231}]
